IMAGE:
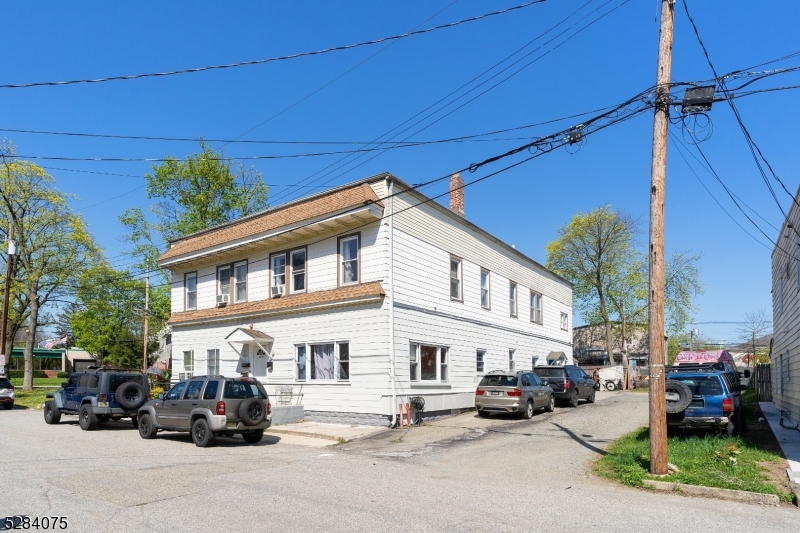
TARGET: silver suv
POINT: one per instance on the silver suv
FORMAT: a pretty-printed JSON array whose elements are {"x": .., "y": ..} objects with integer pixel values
[
  {"x": 208, "y": 406},
  {"x": 519, "y": 392}
]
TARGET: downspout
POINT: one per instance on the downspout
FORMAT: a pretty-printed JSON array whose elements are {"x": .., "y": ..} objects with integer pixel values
[{"x": 391, "y": 304}]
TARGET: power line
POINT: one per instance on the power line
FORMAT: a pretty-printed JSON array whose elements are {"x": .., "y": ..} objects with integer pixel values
[{"x": 277, "y": 58}]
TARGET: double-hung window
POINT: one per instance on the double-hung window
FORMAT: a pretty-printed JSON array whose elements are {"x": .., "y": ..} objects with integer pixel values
[
  {"x": 564, "y": 321},
  {"x": 224, "y": 281},
  {"x": 511, "y": 363},
  {"x": 240, "y": 281},
  {"x": 212, "y": 361},
  {"x": 278, "y": 271},
  {"x": 455, "y": 279},
  {"x": 329, "y": 361},
  {"x": 349, "y": 256},
  {"x": 512, "y": 298},
  {"x": 536, "y": 307},
  {"x": 480, "y": 358},
  {"x": 485, "y": 294},
  {"x": 188, "y": 363},
  {"x": 428, "y": 362},
  {"x": 298, "y": 265},
  {"x": 190, "y": 282}
]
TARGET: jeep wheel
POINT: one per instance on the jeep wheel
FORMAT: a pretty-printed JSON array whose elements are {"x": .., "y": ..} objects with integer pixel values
[
  {"x": 52, "y": 415},
  {"x": 202, "y": 435},
  {"x": 573, "y": 399},
  {"x": 86, "y": 418},
  {"x": 252, "y": 411},
  {"x": 146, "y": 428},
  {"x": 551, "y": 404},
  {"x": 130, "y": 395},
  {"x": 253, "y": 436}
]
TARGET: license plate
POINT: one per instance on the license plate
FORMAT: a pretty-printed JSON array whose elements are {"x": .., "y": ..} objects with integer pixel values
[
  {"x": 697, "y": 403},
  {"x": 496, "y": 393},
  {"x": 102, "y": 404},
  {"x": 231, "y": 425}
]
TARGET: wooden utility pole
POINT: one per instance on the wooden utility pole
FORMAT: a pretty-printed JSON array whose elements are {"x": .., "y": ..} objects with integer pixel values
[
  {"x": 6, "y": 297},
  {"x": 658, "y": 404},
  {"x": 146, "y": 317}
]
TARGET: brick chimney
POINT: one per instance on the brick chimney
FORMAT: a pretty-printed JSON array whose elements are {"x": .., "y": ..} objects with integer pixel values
[{"x": 457, "y": 194}]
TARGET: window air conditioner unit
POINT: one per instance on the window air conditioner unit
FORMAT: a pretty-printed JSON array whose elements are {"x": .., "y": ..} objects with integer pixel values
[
  {"x": 185, "y": 375},
  {"x": 278, "y": 291},
  {"x": 222, "y": 300}
]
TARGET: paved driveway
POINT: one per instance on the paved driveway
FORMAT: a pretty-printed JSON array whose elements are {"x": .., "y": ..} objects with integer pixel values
[{"x": 458, "y": 474}]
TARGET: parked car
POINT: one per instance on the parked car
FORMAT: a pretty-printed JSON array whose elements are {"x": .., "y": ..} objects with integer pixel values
[
  {"x": 6, "y": 393},
  {"x": 208, "y": 406},
  {"x": 705, "y": 398},
  {"x": 570, "y": 383},
  {"x": 513, "y": 392},
  {"x": 97, "y": 396}
]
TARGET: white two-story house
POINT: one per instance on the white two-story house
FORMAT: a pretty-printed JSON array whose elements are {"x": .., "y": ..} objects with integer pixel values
[{"x": 360, "y": 297}]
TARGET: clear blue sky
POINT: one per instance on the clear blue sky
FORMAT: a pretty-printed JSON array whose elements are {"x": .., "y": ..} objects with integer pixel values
[{"x": 607, "y": 63}]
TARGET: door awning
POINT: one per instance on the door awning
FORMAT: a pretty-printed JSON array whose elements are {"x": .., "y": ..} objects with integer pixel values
[{"x": 249, "y": 336}]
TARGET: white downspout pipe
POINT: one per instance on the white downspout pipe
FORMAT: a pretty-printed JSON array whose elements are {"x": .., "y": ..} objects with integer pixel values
[{"x": 391, "y": 303}]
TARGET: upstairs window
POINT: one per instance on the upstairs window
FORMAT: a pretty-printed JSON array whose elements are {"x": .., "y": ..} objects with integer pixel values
[
  {"x": 240, "y": 279},
  {"x": 536, "y": 307},
  {"x": 224, "y": 279},
  {"x": 190, "y": 282},
  {"x": 485, "y": 295},
  {"x": 348, "y": 257},
  {"x": 278, "y": 264},
  {"x": 512, "y": 298},
  {"x": 564, "y": 321},
  {"x": 298, "y": 264},
  {"x": 455, "y": 278}
]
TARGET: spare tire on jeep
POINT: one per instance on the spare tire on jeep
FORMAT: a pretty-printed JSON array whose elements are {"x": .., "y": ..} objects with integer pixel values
[
  {"x": 252, "y": 411},
  {"x": 130, "y": 395},
  {"x": 679, "y": 396}
]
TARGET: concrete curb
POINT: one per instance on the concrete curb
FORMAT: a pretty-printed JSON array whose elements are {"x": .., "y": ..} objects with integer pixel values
[{"x": 712, "y": 492}]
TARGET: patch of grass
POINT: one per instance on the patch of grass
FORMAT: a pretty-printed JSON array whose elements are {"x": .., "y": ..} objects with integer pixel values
[
  {"x": 30, "y": 400},
  {"x": 43, "y": 382},
  {"x": 341, "y": 440},
  {"x": 707, "y": 460}
]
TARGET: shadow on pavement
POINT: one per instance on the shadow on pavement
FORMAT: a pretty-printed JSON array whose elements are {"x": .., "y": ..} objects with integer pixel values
[{"x": 580, "y": 441}]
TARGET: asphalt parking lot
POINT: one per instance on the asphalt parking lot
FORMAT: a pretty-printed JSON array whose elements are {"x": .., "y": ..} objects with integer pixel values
[{"x": 457, "y": 474}]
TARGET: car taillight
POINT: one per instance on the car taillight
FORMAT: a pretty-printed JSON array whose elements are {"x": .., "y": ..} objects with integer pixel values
[
  {"x": 567, "y": 383},
  {"x": 10, "y": 387},
  {"x": 101, "y": 397},
  {"x": 269, "y": 408},
  {"x": 220, "y": 408},
  {"x": 478, "y": 392},
  {"x": 514, "y": 392},
  {"x": 727, "y": 405}
]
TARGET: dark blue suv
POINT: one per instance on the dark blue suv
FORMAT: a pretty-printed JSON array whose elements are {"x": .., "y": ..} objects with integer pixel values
[
  {"x": 704, "y": 397},
  {"x": 97, "y": 396}
]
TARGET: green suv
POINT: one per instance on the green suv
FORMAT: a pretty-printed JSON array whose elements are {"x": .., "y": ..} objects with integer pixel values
[{"x": 208, "y": 406}]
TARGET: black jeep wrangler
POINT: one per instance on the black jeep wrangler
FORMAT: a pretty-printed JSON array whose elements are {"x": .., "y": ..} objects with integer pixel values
[{"x": 97, "y": 396}]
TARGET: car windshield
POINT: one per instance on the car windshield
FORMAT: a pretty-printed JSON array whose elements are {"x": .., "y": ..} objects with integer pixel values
[
  {"x": 702, "y": 385},
  {"x": 499, "y": 381},
  {"x": 549, "y": 372},
  {"x": 239, "y": 390}
]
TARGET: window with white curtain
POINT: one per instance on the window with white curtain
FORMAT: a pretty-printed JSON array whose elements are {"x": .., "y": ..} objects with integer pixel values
[
  {"x": 212, "y": 361},
  {"x": 328, "y": 361}
]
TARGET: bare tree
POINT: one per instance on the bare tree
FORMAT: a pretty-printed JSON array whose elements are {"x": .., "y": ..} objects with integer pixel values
[{"x": 755, "y": 326}]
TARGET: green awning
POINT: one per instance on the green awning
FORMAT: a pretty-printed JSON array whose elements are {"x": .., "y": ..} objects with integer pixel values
[{"x": 38, "y": 353}]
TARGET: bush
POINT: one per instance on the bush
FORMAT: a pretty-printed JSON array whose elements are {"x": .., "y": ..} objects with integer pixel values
[
  {"x": 21, "y": 374},
  {"x": 62, "y": 375}
]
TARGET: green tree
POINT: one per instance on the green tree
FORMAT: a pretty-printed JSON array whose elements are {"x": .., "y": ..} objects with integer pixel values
[
  {"x": 53, "y": 244},
  {"x": 109, "y": 316},
  {"x": 588, "y": 252},
  {"x": 201, "y": 191}
]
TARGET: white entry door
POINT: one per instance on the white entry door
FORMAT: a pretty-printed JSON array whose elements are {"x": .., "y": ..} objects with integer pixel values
[{"x": 259, "y": 364}]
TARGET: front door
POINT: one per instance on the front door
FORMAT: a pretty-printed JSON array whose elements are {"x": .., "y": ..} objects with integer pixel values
[
  {"x": 259, "y": 364},
  {"x": 190, "y": 401},
  {"x": 167, "y": 413}
]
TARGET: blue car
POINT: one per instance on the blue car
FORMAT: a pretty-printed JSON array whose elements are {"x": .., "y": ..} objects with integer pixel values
[{"x": 704, "y": 398}]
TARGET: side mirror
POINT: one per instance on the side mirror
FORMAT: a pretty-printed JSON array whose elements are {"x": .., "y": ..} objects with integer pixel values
[
  {"x": 161, "y": 396},
  {"x": 64, "y": 385}
]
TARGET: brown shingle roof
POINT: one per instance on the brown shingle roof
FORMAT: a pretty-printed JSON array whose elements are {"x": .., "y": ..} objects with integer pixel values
[
  {"x": 252, "y": 333},
  {"x": 355, "y": 196},
  {"x": 293, "y": 302}
]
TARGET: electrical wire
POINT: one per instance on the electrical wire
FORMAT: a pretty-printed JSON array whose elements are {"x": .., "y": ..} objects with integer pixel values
[{"x": 277, "y": 58}]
